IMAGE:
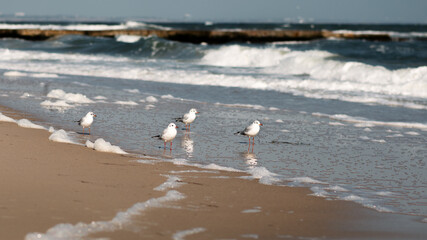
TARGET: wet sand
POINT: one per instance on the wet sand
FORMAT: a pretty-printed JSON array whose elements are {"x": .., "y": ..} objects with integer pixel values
[{"x": 44, "y": 183}]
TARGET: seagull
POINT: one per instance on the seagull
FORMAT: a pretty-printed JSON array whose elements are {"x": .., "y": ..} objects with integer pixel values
[
  {"x": 188, "y": 118},
  {"x": 251, "y": 131},
  {"x": 86, "y": 121},
  {"x": 168, "y": 134}
]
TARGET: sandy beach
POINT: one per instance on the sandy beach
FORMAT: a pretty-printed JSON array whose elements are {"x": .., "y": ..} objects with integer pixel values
[{"x": 44, "y": 183}]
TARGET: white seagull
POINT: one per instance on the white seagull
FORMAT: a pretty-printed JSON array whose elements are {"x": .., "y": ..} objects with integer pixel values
[
  {"x": 86, "y": 121},
  {"x": 168, "y": 134},
  {"x": 188, "y": 118},
  {"x": 251, "y": 131}
]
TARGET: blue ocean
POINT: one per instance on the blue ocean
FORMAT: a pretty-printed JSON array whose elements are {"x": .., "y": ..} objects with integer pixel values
[{"x": 346, "y": 118}]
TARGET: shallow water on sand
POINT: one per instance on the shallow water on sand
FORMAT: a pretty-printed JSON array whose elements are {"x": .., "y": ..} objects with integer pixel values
[
  {"x": 377, "y": 165},
  {"x": 345, "y": 117}
]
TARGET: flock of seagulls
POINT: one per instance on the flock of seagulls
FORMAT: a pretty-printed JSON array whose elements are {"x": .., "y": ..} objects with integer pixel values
[{"x": 169, "y": 133}]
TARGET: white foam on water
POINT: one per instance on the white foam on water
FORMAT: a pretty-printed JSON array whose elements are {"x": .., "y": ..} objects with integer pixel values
[
  {"x": 144, "y": 161},
  {"x": 171, "y": 183},
  {"x": 305, "y": 180},
  {"x": 242, "y": 105},
  {"x": 69, "y": 97},
  {"x": 60, "y": 136},
  {"x": 103, "y": 146},
  {"x": 279, "y": 121},
  {"x": 100, "y": 98},
  {"x": 25, "y": 123},
  {"x": 132, "y": 90},
  {"x": 364, "y": 137},
  {"x": 264, "y": 175},
  {"x": 385, "y": 193},
  {"x": 180, "y": 235},
  {"x": 149, "y": 106},
  {"x": 128, "y": 103},
  {"x": 83, "y": 27},
  {"x": 128, "y": 38},
  {"x": 336, "y": 124},
  {"x": 15, "y": 74},
  {"x": 369, "y": 123},
  {"x": 26, "y": 95},
  {"x": 365, "y": 202},
  {"x": 81, "y": 230},
  {"x": 397, "y": 135},
  {"x": 412, "y": 133},
  {"x": 336, "y": 188},
  {"x": 58, "y": 103},
  {"x": 327, "y": 78},
  {"x": 4, "y": 118},
  {"x": 44, "y": 75},
  {"x": 167, "y": 96},
  {"x": 379, "y": 140},
  {"x": 51, "y": 129},
  {"x": 214, "y": 166},
  {"x": 318, "y": 191},
  {"x": 242, "y": 56},
  {"x": 151, "y": 99},
  {"x": 211, "y": 166}
]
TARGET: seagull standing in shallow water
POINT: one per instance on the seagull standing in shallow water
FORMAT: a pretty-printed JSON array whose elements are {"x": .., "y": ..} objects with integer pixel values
[
  {"x": 251, "y": 131},
  {"x": 188, "y": 118},
  {"x": 86, "y": 121},
  {"x": 168, "y": 134}
]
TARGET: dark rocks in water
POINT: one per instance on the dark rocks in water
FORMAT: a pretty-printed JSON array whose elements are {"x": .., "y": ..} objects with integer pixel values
[{"x": 198, "y": 36}]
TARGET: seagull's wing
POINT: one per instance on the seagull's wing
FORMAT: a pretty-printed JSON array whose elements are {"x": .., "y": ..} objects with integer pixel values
[
  {"x": 164, "y": 132},
  {"x": 248, "y": 129},
  {"x": 186, "y": 117}
]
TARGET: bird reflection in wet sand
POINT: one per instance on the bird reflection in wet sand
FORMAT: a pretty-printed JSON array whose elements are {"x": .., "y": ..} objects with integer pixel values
[
  {"x": 250, "y": 159},
  {"x": 187, "y": 144}
]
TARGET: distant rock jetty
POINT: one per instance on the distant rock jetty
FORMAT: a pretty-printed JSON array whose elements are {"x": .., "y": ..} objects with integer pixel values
[{"x": 199, "y": 36}]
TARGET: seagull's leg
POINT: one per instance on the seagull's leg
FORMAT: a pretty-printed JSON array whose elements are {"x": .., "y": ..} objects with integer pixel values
[
  {"x": 83, "y": 130},
  {"x": 171, "y": 145},
  {"x": 89, "y": 130},
  {"x": 188, "y": 127},
  {"x": 165, "y": 145},
  {"x": 253, "y": 140},
  {"x": 249, "y": 140}
]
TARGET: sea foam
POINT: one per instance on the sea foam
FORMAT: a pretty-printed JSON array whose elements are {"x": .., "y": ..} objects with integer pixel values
[
  {"x": 4, "y": 118},
  {"x": 25, "y": 123},
  {"x": 60, "y": 136},
  {"x": 103, "y": 146},
  {"x": 69, "y": 97},
  {"x": 81, "y": 230}
]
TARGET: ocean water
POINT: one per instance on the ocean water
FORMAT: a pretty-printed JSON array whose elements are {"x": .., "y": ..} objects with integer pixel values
[{"x": 347, "y": 118}]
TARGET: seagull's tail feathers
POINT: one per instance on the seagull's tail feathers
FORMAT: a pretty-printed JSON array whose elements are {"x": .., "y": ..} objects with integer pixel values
[
  {"x": 78, "y": 122},
  {"x": 157, "y": 136},
  {"x": 239, "y": 133},
  {"x": 178, "y": 119}
]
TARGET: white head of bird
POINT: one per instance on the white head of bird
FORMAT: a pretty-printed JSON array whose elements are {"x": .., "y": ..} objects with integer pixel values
[{"x": 193, "y": 111}]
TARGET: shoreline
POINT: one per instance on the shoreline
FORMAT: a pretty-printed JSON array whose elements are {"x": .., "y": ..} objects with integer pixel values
[{"x": 47, "y": 183}]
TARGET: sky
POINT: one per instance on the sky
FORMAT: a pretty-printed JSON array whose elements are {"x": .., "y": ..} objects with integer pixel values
[{"x": 337, "y": 11}]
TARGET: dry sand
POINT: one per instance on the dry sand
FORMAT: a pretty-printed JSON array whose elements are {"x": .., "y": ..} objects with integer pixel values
[{"x": 44, "y": 183}]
